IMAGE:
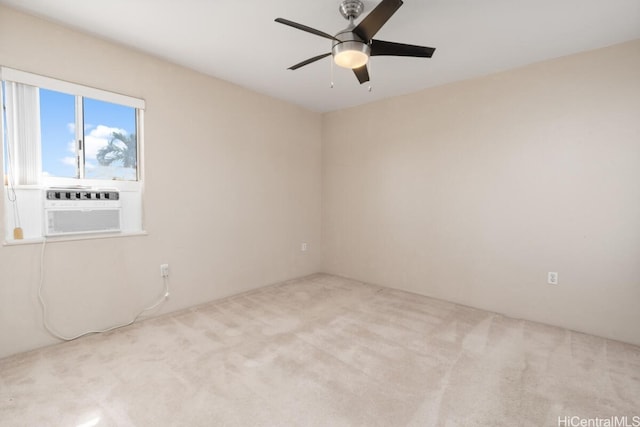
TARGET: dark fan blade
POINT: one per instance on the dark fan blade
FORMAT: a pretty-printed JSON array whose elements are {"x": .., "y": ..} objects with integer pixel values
[
  {"x": 305, "y": 28},
  {"x": 362, "y": 73},
  {"x": 372, "y": 23},
  {"x": 309, "y": 61},
  {"x": 379, "y": 47}
]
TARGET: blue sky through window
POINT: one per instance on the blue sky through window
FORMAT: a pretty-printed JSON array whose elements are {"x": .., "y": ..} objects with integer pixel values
[
  {"x": 57, "y": 121},
  {"x": 57, "y": 117}
]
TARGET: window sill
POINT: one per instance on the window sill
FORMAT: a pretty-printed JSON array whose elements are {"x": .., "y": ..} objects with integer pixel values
[
  {"x": 39, "y": 240},
  {"x": 126, "y": 186}
]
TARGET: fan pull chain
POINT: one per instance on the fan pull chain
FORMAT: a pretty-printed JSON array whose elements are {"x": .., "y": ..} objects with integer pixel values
[
  {"x": 331, "y": 71},
  {"x": 370, "y": 67}
]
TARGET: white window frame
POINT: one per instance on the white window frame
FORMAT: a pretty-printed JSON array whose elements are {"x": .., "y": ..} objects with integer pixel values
[{"x": 18, "y": 76}]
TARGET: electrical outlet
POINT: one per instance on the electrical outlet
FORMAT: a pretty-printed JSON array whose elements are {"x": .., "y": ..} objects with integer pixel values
[
  {"x": 164, "y": 270},
  {"x": 552, "y": 278},
  {"x": 304, "y": 247}
]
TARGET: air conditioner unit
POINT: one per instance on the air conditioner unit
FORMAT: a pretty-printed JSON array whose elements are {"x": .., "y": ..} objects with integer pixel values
[{"x": 81, "y": 211}]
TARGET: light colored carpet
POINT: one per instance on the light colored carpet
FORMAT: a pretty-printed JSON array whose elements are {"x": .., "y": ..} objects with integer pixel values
[{"x": 323, "y": 351}]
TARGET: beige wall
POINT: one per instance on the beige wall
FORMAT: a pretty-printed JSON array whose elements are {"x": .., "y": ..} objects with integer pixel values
[
  {"x": 233, "y": 186},
  {"x": 473, "y": 191}
]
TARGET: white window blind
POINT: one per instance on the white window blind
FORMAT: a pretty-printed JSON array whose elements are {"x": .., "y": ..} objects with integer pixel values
[{"x": 23, "y": 131}]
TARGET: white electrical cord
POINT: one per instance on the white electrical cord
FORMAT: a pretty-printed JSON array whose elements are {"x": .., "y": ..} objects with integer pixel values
[{"x": 49, "y": 329}]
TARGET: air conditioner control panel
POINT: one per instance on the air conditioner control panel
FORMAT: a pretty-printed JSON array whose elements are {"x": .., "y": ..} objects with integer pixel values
[
  {"x": 74, "y": 194},
  {"x": 81, "y": 198}
]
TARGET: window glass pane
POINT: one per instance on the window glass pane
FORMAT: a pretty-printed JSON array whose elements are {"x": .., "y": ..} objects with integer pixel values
[
  {"x": 110, "y": 140},
  {"x": 57, "y": 132}
]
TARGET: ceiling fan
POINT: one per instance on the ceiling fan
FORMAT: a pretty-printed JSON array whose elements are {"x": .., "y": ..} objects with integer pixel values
[{"x": 352, "y": 47}]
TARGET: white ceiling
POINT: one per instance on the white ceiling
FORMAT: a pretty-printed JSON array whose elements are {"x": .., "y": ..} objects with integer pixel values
[{"x": 239, "y": 41}]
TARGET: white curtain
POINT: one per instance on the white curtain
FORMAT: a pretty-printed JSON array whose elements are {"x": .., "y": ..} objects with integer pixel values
[{"x": 23, "y": 132}]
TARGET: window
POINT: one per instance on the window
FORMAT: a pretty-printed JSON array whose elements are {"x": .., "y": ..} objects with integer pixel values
[
  {"x": 83, "y": 137},
  {"x": 63, "y": 130},
  {"x": 60, "y": 134}
]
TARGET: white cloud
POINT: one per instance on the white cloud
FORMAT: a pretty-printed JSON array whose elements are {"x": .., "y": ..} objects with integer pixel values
[
  {"x": 71, "y": 127},
  {"x": 69, "y": 161},
  {"x": 98, "y": 138}
]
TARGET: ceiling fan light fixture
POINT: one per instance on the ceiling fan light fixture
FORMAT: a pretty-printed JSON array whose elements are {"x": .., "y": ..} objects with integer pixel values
[{"x": 351, "y": 54}]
